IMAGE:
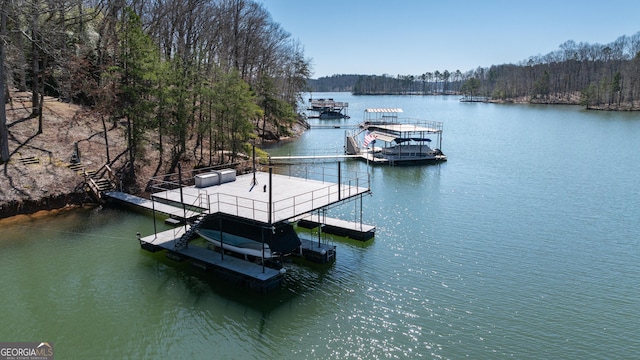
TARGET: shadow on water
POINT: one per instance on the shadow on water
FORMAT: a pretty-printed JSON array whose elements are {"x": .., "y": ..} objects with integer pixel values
[{"x": 301, "y": 278}]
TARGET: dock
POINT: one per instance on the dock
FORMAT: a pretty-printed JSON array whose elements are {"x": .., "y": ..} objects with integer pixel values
[
  {"x": 244, "y": 273},
  {"x": 328, "y": 109},
  {"x": 320, "y": 253},
  {"x": 353, "y": 230},
  {"x": 311, "y": 157},
  {"x": 174, "y": 212},
  {"x": 260, "y": 200}
]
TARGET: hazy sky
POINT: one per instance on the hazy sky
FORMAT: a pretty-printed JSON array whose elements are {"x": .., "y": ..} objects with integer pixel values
[{"x": 411, "y": 37}]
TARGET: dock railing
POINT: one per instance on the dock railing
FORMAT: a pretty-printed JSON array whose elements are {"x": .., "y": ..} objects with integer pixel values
[
  {"x": 292, "y": 206},
  {"x": 338, "y": 187}
]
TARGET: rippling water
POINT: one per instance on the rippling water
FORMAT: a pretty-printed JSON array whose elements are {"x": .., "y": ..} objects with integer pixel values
[{"x": 523, "y": 245}]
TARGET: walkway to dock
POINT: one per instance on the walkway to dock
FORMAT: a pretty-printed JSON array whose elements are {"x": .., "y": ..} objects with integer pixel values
[
  {"x": 301, "y": 158},
  {"x": 330, "y": 126},
  {"x": 173, "y": 211},
  {"x": 312, "y": 157}
]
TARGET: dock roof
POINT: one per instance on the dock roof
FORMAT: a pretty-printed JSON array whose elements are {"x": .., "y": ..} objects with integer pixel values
[
  {"x": 249, "y": 198},
  {"x": 406, "y": 128},
  {"x": 383, "y": 110}
]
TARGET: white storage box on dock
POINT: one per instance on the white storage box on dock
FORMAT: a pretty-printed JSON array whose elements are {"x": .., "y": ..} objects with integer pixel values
[
  {"x": 208, "y": 179},
  {"x": 226, "y": 175}
]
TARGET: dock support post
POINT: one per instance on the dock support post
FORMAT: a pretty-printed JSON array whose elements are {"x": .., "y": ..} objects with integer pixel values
[
  {"x": 153, "y": 212},
  {"x": 221, "y": 242},
  {"x": 319, "y": 227},
  {"x": 269, "y": 219},
  {"x": 262, "y": 238},
  {"x": 184, "y": 208},
  {"x": 269, "y": 207},
  {"x": 339, "y": 183},
  {"x": 361, "y": 212}
]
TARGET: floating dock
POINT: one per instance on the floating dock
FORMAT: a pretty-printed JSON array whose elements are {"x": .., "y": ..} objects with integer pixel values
[
  {"x": 317, "y": 252},
  {"x": 353, "y": 230},
  {"x": 244, "y": 273}
]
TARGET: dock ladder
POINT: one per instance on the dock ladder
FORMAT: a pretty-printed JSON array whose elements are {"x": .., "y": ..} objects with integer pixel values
[{"x": 189, "y": 234}]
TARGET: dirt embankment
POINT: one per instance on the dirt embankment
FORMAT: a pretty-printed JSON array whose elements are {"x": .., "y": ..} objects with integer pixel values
[{"x": 39, "y": 175}]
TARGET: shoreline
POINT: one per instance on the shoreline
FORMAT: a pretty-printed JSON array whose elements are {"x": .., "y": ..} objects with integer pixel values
[
  {"x": 21, "y": 218},
  {"x": 52, "y": 187},
  {"x": 28, "y": 207}
]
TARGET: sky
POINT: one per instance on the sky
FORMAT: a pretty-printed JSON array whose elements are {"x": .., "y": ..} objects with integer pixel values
[{"x": 411, "y": 37}]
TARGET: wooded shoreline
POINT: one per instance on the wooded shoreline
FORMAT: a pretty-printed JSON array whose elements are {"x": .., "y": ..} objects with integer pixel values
[{"x": 51, "y": 185}]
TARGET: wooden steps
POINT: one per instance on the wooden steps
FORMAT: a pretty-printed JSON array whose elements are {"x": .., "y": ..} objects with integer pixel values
[{"x": 29, "y": 160}]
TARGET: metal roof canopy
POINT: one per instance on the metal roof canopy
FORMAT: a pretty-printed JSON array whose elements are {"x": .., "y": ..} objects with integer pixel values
[
  {"x": 404, "y": 128},
  {"x": 383, "y": 110}
]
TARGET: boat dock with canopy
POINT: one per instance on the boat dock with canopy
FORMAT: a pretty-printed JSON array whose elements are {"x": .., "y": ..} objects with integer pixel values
[{"x": 401, "y": 140}]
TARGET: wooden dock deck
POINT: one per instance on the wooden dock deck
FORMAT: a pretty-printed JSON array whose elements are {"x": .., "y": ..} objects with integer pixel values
[{"x": 243, "y": 272}]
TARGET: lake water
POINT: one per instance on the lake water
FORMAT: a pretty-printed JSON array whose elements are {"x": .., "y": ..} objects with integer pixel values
[{"x": 525, "y": 244}]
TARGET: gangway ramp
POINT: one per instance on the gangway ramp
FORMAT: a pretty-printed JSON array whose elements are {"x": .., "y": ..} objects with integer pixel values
[{"x": 177, "y": 212}]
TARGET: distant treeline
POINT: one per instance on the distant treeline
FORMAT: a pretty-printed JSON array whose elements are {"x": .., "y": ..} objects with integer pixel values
[
  {"x": 601, "y": 76},
  {"x": 333, "y": 83}
]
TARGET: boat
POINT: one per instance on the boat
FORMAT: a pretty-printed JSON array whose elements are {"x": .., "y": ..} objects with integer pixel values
[
  {"x": 388, "y": 139},
  {"x": 235, "y": 243},
  {"x": 248, "y": 238},
  {"x": 332, "y": 114}
]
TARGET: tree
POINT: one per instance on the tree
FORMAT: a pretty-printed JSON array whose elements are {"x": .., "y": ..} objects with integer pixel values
[
  {"x": 158, "y": 72},
  {"x": 616, "y": 88},
  {"x": 588, "y": 96},
  {"x": 541, "y": 86},
  {"x": 471, "y": 86},
  {"x": 235, "y": 111},
  {"x": 138, "y": 76},
  {"x": 4, "y": 132}
]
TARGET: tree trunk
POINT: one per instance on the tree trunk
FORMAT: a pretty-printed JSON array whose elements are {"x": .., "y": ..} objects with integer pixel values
[
  {"x": 4, "y": 132},
  {"x": 106, "y": 138},
  {"x": 35, "y": 64}
]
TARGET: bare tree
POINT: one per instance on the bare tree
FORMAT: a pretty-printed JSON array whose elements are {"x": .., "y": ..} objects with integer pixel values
[{"x": 4, "y": 132}]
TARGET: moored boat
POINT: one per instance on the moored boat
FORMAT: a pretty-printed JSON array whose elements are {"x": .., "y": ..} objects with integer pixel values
[
  {"x": 235, "y": 243},
  {"x": 248, "y": 238}
]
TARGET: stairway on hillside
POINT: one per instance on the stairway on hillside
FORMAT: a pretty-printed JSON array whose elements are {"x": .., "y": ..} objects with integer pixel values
[{"x": 96, "y": 182}]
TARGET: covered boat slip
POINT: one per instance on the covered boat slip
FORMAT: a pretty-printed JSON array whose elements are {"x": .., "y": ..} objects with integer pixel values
[
  {"x": 389, "y": 127},
  {"x": 258, "y": 206},
  {"x": 328, "y": 109},
  {"x": 390, "y": 139}
]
